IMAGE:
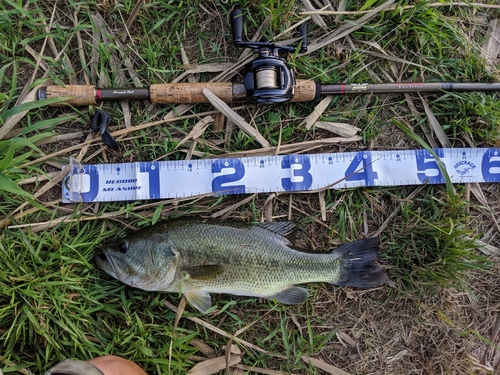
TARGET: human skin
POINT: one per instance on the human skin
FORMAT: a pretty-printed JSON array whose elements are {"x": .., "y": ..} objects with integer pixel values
[{"x": 113, "y": 365}]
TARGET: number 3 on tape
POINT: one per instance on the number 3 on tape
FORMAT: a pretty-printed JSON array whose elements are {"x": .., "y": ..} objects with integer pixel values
[{"x": 298, "y": 167}]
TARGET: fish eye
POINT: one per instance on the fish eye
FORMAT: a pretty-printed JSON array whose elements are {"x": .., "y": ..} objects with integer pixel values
[{"x": 123, "y": 247}]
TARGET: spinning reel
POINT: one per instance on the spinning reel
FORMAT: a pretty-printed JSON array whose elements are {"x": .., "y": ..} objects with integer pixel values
[{"x": 268, "y": 79}]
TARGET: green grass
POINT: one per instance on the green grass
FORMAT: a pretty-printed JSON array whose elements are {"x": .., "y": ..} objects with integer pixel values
[{"x": 55, "y": 303}]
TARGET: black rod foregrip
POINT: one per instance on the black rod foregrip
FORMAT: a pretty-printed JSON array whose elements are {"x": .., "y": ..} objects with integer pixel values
[
  {"x": 88, "y": 94},
  {"x": 122, "y": 93}
]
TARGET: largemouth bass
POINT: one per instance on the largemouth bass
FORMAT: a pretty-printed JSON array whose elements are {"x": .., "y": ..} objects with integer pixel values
[{"x": 199, "y": 257}]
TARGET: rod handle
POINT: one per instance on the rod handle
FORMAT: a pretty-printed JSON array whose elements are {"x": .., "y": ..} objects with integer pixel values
[
  {"x": 236, "y": 20},
  {"x": 174, "y": 93},
  {"x": 79, "y": 94},
  {"x": 178, "y": 93},
  {"x": 306, "y": 91}
]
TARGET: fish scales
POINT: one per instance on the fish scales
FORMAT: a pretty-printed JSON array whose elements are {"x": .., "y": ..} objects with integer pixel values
[
  {"x": 199, "y": 257},
  {"x": 254, "y": 259}
]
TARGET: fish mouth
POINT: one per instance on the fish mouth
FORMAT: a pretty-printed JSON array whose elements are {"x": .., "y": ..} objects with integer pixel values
[{"x": 105, "y": 263}]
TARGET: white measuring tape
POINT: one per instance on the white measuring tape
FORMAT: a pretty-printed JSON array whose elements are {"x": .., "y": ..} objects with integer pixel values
[{"x": 284, "y": 173}]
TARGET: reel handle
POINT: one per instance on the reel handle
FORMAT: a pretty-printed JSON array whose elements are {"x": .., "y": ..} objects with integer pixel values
[{"x": 236, "y": 19}]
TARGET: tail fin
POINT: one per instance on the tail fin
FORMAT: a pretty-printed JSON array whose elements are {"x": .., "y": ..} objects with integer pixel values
[{"x": 359, "y": 267}]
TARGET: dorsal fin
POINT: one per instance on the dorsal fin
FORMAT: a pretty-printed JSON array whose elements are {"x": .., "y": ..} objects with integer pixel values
[{"x": 287, "y": 229}]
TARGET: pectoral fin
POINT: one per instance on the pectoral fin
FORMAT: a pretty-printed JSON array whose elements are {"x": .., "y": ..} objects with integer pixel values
[
  {"x": 291, "y": 296},
  {"x": 199, "y": 300}
]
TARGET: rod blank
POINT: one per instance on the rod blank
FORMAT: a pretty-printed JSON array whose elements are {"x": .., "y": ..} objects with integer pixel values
[{"x": 406, "y": 87}]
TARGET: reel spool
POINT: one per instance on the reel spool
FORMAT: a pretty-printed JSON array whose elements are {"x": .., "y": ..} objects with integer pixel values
[
  {"x": 269, "y": 80},
  {"x": 266, "y": 78}
]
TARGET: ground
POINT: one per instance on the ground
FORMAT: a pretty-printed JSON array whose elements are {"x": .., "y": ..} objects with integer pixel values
[{"x": 438, "y": 313}]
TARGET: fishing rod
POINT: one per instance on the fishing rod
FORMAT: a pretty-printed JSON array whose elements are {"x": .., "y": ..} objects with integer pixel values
[{"x": 267, "y": 80}]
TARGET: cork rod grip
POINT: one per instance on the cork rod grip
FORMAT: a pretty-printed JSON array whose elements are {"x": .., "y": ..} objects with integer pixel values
[
  {"x": 306, "y": 91},
  {"x": 80, "y": 94},
  {"x": 177, "y": 93}
]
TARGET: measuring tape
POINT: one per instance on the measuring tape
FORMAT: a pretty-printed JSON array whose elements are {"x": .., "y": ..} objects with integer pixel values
[{"x": 283, "y": 173}]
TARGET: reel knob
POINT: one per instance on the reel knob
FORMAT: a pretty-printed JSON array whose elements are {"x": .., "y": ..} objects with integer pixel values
[{"x": 237, "y": 25}]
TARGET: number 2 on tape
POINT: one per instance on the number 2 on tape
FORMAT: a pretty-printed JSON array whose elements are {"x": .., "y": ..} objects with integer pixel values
[{"x": 220, "y": 183}]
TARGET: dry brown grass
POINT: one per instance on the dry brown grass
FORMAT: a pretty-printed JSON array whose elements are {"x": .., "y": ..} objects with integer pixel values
[{"x": 384, "y": 331}]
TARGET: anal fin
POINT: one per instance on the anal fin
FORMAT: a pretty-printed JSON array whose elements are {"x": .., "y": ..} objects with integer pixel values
[{"x": 291, "y": 296}]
